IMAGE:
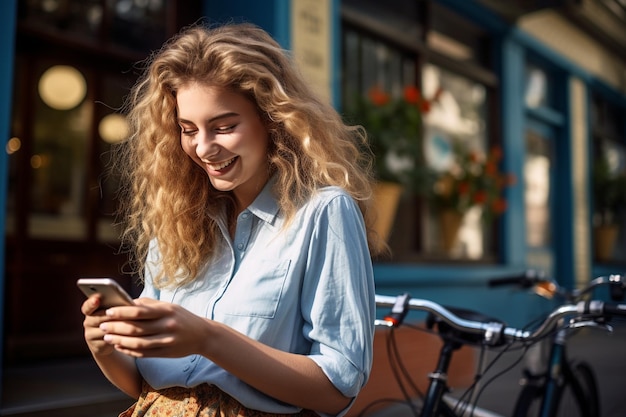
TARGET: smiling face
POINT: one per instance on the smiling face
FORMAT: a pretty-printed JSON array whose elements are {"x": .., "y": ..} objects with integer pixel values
[{"x": 222, "y": 132}]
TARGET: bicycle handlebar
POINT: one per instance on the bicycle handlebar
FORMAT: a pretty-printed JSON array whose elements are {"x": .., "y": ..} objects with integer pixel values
[
  {"x": 532, "y": 278},
  {"x": 496, "y": 333},
  {"x": 526, "y": 279}
]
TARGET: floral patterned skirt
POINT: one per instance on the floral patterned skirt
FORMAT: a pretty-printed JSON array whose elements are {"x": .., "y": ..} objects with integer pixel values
[{"x": 202, "y": 401}]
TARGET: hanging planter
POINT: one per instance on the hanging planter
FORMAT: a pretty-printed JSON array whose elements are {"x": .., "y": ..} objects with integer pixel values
[
  {"x": 605, "y": 237},
  {"x": 386, "y": 199},
  {"x": 449, "y": 225}
]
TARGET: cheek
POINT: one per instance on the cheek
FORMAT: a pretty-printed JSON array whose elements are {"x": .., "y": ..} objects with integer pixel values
[
  {"x": 190, "y": 151},
  {"x": 187, "y": 148}
]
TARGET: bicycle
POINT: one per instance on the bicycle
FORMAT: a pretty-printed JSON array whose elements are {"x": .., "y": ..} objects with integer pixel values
[
  {"x": 563, "y": 383},
  {"x": 459, "y": 327}
]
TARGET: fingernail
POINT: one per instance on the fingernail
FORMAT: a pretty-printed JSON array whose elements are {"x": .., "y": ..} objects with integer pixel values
[
  {"x": 108, "y": 338},
  {"x": 103, "y": 327},
  {"x": 109, "y": 312}
]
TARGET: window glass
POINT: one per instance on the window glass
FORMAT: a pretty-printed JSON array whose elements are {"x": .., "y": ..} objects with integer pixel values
[
  {"x": 608, "y": 180},
  {"x": 373, "y": 63},
  {"x": 138, "y": 25},
  {"x": 58, "y": 159},
  {"x": 536, "y": 87},
  {"x": 454, "y": 125},
  {"x": 82, "y": 18},
  {"x": 537, "y": 190},
  {"x": 112, "y": 131},
  {"x": 15, "y": 148}
]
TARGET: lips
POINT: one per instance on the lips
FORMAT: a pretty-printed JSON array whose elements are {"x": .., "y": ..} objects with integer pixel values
[{"x": 221, "y": 165}]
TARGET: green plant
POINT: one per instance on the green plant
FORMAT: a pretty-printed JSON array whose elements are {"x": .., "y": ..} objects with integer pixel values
[
  {"x": 609, "y": 192},
  {"x": 394, "y": 129},
  {"x": 472, "y": 180}
]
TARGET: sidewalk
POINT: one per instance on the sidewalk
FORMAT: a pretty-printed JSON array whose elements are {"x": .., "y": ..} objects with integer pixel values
[{"x": 69, "y": 388}]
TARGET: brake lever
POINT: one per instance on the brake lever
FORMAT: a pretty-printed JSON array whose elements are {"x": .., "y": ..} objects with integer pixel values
[{"x": 578, "y": 324}]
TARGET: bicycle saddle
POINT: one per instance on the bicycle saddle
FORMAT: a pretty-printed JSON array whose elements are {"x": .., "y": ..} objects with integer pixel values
[{"x": 450, "y": 333}]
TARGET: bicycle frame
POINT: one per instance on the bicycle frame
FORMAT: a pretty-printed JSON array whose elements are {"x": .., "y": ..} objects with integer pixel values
[
  {"x": 559, "y": 372},
  {"x": 438, "y": 384},
  {"x": 436, "y": 401}
]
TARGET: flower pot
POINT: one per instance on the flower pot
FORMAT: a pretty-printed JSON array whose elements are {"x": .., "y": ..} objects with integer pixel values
[
  {"x": 605, "y": 237},
  {"x": 449, "y": 225},
  {"x": 386, "y": 199}
]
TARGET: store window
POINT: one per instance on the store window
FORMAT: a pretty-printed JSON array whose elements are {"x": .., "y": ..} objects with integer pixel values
[
  {"x": 75, "y": 61},
  {"x": 608, "y": 180},
  {"x": 61, "y": 174},
  {"x": 124, "y": 24},
  {"x": 544, "y": 120},
  {"x": 456, "y": 123},
  {"x": 447, "y": 69},
  {"x": 537, "y": 188},
  {"x": 62, "y": 118},
  {"x": 74, "y": 66}
]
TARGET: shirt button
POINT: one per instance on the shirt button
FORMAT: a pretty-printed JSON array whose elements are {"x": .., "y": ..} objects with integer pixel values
[
  {"x": 244, "y": 215},
  {"x": 240, "y": 246}
]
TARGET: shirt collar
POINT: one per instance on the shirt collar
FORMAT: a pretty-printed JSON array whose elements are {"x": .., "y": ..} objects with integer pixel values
[{"x": 265, "y": 206}]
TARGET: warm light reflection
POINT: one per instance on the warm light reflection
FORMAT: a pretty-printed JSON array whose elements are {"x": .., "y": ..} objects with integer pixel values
[
  {"x": 39, "y": 161},
  {"x": 62, "y": 87},
  {"x": 36, "y": 161},
  {"x": 13, "y": 145},
  {"x": 113, "y": 128}
]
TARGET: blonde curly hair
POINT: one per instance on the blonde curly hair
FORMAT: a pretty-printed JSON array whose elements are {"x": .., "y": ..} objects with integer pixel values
[{"x": 167, "y": 198}]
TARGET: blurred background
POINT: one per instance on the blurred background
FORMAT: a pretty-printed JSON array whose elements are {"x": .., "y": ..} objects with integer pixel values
[{"x": 501, "y": 126}]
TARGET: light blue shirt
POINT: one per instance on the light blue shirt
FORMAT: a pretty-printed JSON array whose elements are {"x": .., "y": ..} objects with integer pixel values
[{"x": 306, "y": 289}]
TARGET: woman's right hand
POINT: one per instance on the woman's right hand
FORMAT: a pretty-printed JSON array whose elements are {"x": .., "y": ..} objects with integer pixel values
[
  {"x": 120, "y": 369},
  {"x": 93, "y": 318}
]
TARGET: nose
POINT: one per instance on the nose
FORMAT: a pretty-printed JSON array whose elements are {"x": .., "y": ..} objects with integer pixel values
[{"x": 205, "y": 145}]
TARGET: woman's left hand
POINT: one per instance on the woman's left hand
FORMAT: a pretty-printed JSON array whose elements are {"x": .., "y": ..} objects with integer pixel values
[{"x": 154, "y": 329}]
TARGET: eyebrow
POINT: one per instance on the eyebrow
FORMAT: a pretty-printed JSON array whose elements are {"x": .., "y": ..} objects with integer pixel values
[{"x": 212, "y": 119}]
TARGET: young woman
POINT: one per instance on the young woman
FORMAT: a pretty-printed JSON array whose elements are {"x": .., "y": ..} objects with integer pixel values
[{"x": 245, "y": 212}]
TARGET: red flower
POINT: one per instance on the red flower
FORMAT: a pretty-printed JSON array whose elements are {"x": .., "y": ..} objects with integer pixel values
[
  {"x": 412, "y": 94},
  {"x": 477, "y": 181},
  {"x": 491, "y": 169},
  {"x": 480, "y": 197},
  {"x": 463, "y": 187},
  {"x": 378, "y": 96}
]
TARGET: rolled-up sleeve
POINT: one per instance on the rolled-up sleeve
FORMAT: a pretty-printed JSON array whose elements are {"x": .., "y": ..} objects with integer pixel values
[{"x": 338, "y": 297}]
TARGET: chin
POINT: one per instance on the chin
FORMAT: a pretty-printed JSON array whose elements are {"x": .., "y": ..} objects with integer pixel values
[{"x": 220, "y": 185}]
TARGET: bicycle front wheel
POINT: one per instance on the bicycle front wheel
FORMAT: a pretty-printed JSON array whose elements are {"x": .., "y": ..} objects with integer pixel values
[{"x": 578, "y": 397}]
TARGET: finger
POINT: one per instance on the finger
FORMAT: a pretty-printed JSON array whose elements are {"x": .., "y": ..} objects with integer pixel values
[
  {"x": 137, "y": 328},
  {"x": 91, "y": 304},
  {"x": 139, "y": 345},
  {"x": 141, "y": 311},
  {"x": 147, "y": 301}
]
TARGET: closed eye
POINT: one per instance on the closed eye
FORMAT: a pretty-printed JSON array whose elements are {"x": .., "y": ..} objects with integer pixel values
[
  {"x": 225, "y": 129},
  {"x": 187, "y": 131}
]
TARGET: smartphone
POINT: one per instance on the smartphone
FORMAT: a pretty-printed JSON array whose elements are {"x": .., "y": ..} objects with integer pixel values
[{"x": 112, "y": 293}]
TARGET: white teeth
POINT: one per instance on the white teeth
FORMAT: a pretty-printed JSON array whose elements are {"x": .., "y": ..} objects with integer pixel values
[{"x": 222, "y": 165}]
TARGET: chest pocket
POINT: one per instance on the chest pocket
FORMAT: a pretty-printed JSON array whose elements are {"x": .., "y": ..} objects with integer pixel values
[{"x": 255, "y": 291}]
